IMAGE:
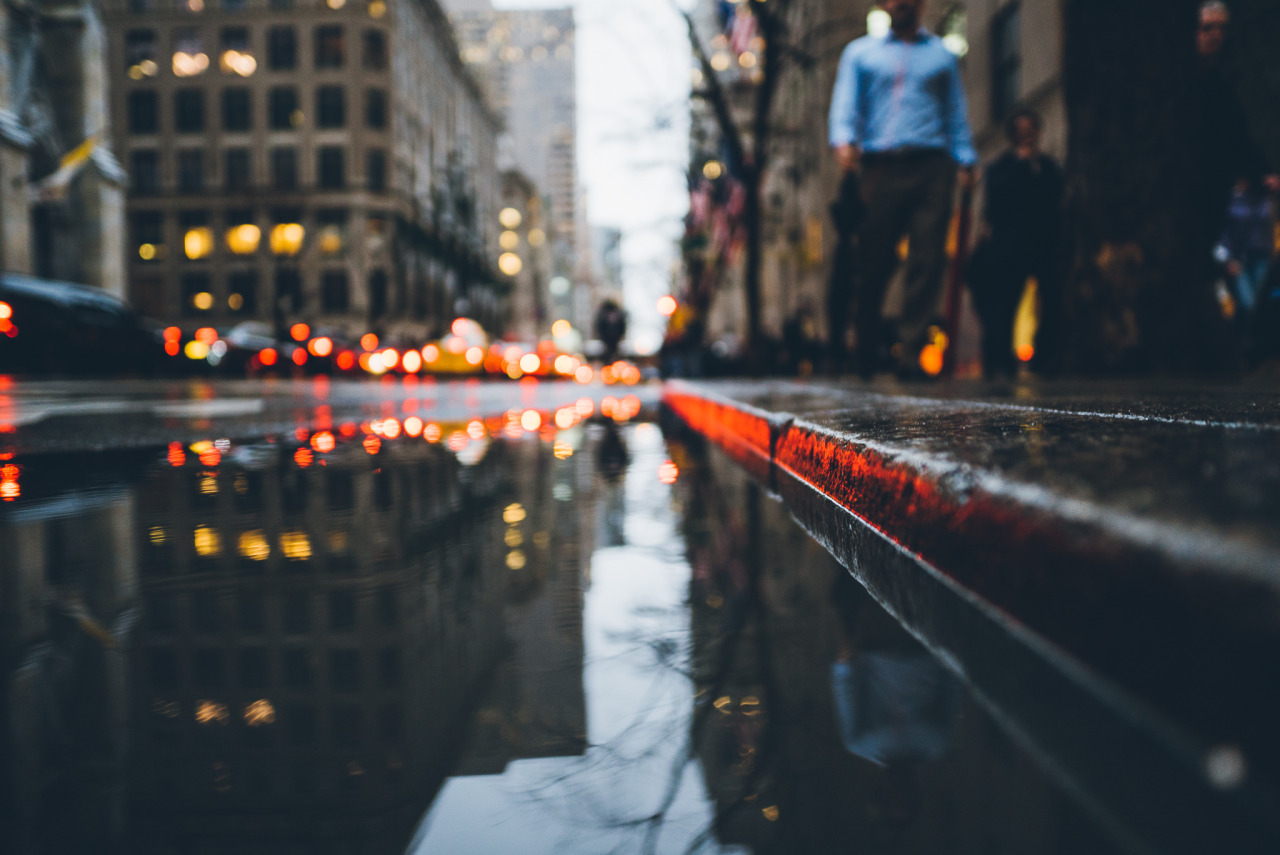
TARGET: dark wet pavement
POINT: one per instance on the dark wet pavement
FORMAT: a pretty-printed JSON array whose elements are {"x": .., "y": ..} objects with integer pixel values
[{"x": 574, "y": 635}]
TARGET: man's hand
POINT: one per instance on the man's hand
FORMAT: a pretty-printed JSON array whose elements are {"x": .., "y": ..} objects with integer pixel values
[
  {"x": 849, "y": 157},
  {"x": 968, "y": 177}
]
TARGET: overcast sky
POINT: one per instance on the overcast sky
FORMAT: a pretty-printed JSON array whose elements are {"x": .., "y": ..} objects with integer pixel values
[{"x": 633, "y": 87}]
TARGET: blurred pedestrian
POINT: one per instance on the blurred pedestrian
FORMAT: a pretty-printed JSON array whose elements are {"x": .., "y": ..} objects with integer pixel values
[
  {"x": 611, "y": 328},
  {"x": 1022, "y": 226},
  {"x": 1246, "y": 244},
  {"x": 898, "y": 116},
  {"x": 847, "y": 212}
]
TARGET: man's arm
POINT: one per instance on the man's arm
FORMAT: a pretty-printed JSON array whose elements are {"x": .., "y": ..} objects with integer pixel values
[
  {"x": 957, "y": 127},
  {"x": 843, "y": 118}
]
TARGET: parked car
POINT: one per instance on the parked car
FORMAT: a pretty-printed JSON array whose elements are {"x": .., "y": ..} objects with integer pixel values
[{"x": 50, "y": 327}]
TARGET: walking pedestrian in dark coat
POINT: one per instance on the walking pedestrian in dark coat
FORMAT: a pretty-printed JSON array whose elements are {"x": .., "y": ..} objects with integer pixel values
[{"x": 1023, "y": 214}]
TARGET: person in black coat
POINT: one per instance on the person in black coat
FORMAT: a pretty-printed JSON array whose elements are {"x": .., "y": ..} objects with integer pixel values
[{"x": 1023, "y": 223}]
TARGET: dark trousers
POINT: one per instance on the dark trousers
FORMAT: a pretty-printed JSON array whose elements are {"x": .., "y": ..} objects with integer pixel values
[{"x": 907, "y": 194}]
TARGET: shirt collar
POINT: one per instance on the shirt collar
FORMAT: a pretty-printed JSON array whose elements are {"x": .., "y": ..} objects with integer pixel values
[{"x": 922, "y": 35}]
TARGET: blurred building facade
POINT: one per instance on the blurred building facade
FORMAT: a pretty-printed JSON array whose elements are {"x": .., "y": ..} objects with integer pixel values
[
  {"x": 526, "y": 62},
  {"x": 332, "y": 163},
  {"x": 61, "y": 188},
  {"x": 524, "y": 250}
]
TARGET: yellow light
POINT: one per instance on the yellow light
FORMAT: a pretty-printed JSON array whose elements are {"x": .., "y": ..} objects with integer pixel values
[
  {"x": 254, "y": 546},
  {"x": 565, "y": 365},
  {"x": 563, "y": 451},
  {"x": 211, "y": 712},
  {"x": 413, "y": 426},
  {"x": 561, "y": 328},
  {"x": 196, "y": 349},
  {"x": 530, "y": 420},
  {"x": 295, "y": 545},
  {"x": 667, "y": 305},
  {"x": 770, "y": 813},
  {"x": 335, "y": 4},
  {"x": 286, "y": 238},
  {"x": 510, "y": 263},
  {"x": 203, "y": 301},
  {"x": 513, "y": 371},
  {"x": 475, "y": 355},
  {"x": 189, "y": 65},
  {"x": 537, "y": 237},
  {"x": 147, "y": 251},
  {"x": 158, "y": 536},
  {"x": 931, "y": 360},
  {"x": 296, "y": 118},
  {"x": 720, "y": 61},
  {"x": 516, "y": 560},
  {"x": 207, "y": 541},
  {"x": 508, "y": 240},
  {"x": 235, "y": 62},
  {"x": 712, "y": 170},
  {"x": 510, "y": 218},
  {"x": 208, "y": 486},
  {"x": 377, "y": 9},
  {"x": 747, "y": 60},
  {"x": 198, "y": 242},
  {"x": 530, "y": 363},
  {"x": 259, "y": 712},
  {"x": 244, "y": 239},
  {"x": 566, "y": 417},
  {"x": 235, "y": 302},
  {"x": 513, "y": 538},
  {"x": 513, "y": 514},
  {"x": 412, "y": 361},
  {"x": 331, "y": 240}
]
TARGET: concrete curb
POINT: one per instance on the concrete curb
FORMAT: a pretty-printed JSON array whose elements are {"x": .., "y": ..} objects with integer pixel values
[{"x": 1166, "y": 658}]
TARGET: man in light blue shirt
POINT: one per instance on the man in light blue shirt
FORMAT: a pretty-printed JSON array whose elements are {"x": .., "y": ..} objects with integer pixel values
[{"x": 898, "y": 116}]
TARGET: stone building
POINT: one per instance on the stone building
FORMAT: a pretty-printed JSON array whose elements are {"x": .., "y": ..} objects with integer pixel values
[
  {"x": 526, "y": 62},
  {"x": 302, "y": 161},
  {"x": 61, "y": 189},
  {"x": 526, "y": 258}
]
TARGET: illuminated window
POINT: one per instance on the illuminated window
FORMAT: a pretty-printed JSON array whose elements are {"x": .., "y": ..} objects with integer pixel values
[
  {"x": 234, "y": 55},
  {"x": 331, "y": 107},
  {"x": 237, "y": 109},
  {"x": 194, "y": 285},
  {"x": 243, "y": 235},
  {"x": 375, "y": 50},
  {"x": 144, "y": 112},
  {"x": 237, "y": 170},
  {"x": 189, "y": 57},
  {"x": 282, "y": 48},
  {"x": 191, "y": 170},
  {"x": 197, "y": 238},
  {"x": 141, "y": 53},
  {"x": 329, "y": 46},
  {"x": 242, "y": 292},
  {"x": 188, "y": 111},
  {"x": 148, "y": 235},
  {"x": 284, "y": 168}
]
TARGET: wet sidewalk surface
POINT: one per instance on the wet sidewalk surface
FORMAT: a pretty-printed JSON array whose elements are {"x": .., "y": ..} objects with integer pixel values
[{"x": 1116, "y": 545}]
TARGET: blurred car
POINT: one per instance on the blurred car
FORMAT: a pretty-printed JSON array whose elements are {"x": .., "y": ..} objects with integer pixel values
[
  {"x": 462, "y": 351},
  {"x": 51, "y": 327}
]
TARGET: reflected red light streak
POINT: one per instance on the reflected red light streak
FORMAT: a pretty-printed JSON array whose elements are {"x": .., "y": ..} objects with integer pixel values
[
  {"x": 301, "y": 434},
  {"x": 324, "y": 442},
  {"x": 267, "y": 357},
  {"x": 346, "y": 360},
  {"x": 390, "y": 428},
  {"x": 299, "y": 357},
  {"x": 349, "y": 430},
  {"x": 458, "y": 441},
  {"x": 432, "y": 432},
  {"x": 177, "y": 457},
  {"x": 372, "y": 444},
  {"x": 413, "y": 426},
  {"x": 668, "y": 472},
  {"x": 303, "y": 457},
  {"x": 324, "y": 417},
  {"x": 476, "y": 429},
  {"x": 211, "y": 457}
]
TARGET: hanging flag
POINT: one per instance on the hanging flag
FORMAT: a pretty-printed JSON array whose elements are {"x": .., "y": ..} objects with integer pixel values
[{"x": 54, "y": 186}]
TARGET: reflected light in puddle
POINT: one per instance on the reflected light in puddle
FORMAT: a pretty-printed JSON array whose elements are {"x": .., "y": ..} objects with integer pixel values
[
  {"x": 324, "y": 442},
  {"x": 211, "y": 712},
  {"x": 516, "y": 560},
  {"x": 513, "y": 514},
  {"x": 432, "y": 432},
  {"x": 295, "y": 545},
  {"x": 303, "y": 457},
  {"x": 413, "y": 426},
  {"x": 566, "y": 417},
  {"x": 207, "y": 541},
  {"x": 259, "y": 712},
  {"x": 254, "y": 546},
  {"x": 475, "y": 429},
  {"x": 372, "y": 444}
]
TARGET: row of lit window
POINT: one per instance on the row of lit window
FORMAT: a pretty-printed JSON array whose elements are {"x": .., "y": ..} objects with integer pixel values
[
  {"x": 375, "y": 8},
  {"x": 143, "y": 56},
  {"x": 237, "y": 170},
  {"x": 284, "y": 109},
  {"x": 480, "y": 54},
  {"x": 287, "y": 236}
]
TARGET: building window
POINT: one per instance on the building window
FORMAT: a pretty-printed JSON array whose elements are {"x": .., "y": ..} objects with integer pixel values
[
  {"x": 141, "y": 7},
  {"x": 288, "y": 290},
  {"x": 188, "y": 111},
  {"x": 331, "y": 108},
  {"x": 197, "y": 237},
  {"x": 335, "y": 300},
  {"x": 243, "y": 236},
  {"x": 329, "y": 47},
  {"x": 281, "y": 4},
  {"x": 284, "y": 168},
  {"x": 141, "y": 53},
  {"x": 333, "y": 230},
  {"x": 144, "y": 112},
  {"x": 376, "y": 171},
  {"x": 375, "y": 50},
  {"x": 377, "y": 294},
  {"x": 235, "y": 57},
  {"x": 191, "y": 170},
  {"x": 375, "y": 108},
  {"x": 1006, "y": 61},
  {"x": 282, "y": 104},
  {"x": 233, "y": 5},
  {"x": 282, "y": 48},
  {"x": 332, "y": 171},
  {"x": 148, "y": 235},
  {"x": 237, "y": 173},
  {"x": 146, "y": 172},
  {"x": 242, "y": 292},
  {"x": 237, "y": 109},
  {"x": 189, "y": 58},
  {"x": 197, "y": 294}
]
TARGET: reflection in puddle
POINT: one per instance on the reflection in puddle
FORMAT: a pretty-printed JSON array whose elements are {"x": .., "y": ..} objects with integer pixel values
[{"x": 501, "y": 635}]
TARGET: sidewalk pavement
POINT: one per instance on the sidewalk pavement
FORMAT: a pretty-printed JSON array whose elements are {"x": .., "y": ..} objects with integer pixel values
[{"x": 1100, "y": 553}]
